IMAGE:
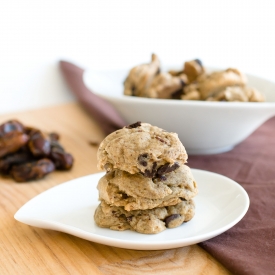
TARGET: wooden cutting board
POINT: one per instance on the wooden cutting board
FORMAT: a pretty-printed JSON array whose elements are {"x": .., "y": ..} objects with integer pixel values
[{"x": 29, "y": 250}]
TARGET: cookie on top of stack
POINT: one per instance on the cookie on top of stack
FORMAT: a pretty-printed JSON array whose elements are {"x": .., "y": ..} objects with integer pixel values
[{"x": 147, "y": 186}]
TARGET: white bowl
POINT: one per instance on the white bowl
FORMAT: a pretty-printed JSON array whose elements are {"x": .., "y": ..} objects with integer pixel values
[{"x": 203, "y": 127}]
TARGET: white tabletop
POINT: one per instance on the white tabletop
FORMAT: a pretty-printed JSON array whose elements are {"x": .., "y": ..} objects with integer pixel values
[{"x": 35, "y": 35}]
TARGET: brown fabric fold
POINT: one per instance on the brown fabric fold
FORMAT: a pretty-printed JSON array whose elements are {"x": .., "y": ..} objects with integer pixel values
[
  {"x": 248, "y": 247},
  {"x": 103, "y": 112}
]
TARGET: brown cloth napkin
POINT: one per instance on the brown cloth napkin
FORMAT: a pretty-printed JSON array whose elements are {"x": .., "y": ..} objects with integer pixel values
[
  {"x": 102, "y": 111},
  {"x": 248, "y": 247}
]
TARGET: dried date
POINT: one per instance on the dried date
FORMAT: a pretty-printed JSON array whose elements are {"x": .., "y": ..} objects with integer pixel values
[
  {"x": 11, "y": 126},
  {"x": 32, "y": 170},
  {"x": 11, "y": 142},
  {"x": 8, "y": 161},
  {"x": 39, "y": 144},
  {"x": 26, "y": 153},
  {"x": 61, "y": 159},
  {"x": 56, "y": 146}
]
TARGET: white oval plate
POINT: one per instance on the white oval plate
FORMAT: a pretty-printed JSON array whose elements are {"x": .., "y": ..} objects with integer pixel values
[{"x": 69, "y": 207}]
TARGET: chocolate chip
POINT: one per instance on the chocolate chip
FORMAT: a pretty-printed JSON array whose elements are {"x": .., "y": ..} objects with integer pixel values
[
  {"x": 142, "y": 159},
  {"x": 166, "y": 168},
  {"x": 134, "y": 125},
  {"x": 160, "y": 139},
  {"x": 147, "y": 173},
  {"x": 151, "y": 174},
  {"x": 177, "y": 94},
  {"x": 154, "y": 168},
  {"x": 161, "y": 171},
  {"x": 162, "y": 178},
  {"x": 124, "y": 196},
  {"x": 129, "y": 219},
  {"x": 182, "y": 83},
  {"x": 108, "y": 167},
  {"x": 143, "y": 163},
  {"x": 198, "y": 61},
  {"x": 171, "y": 218},
  {"x": 133, "y": 89}
]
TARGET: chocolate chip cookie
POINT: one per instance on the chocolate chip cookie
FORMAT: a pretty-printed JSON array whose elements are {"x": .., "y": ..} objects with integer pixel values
[
  {"x": 134, "y": 191},
  {"x": 150, "y": 221},
  {"x": 140, "y": 77},
  {"x": 141, "y": 148}
]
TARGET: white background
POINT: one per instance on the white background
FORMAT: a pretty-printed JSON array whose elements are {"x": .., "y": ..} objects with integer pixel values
[{"x": 36, "y": 34}]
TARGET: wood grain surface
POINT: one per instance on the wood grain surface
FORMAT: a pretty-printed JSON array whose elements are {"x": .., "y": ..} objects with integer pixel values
[{"x": 30, "y": 250}]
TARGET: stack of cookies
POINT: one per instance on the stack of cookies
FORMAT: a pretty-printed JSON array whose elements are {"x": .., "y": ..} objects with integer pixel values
[{"x": 147, "y": 186}]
